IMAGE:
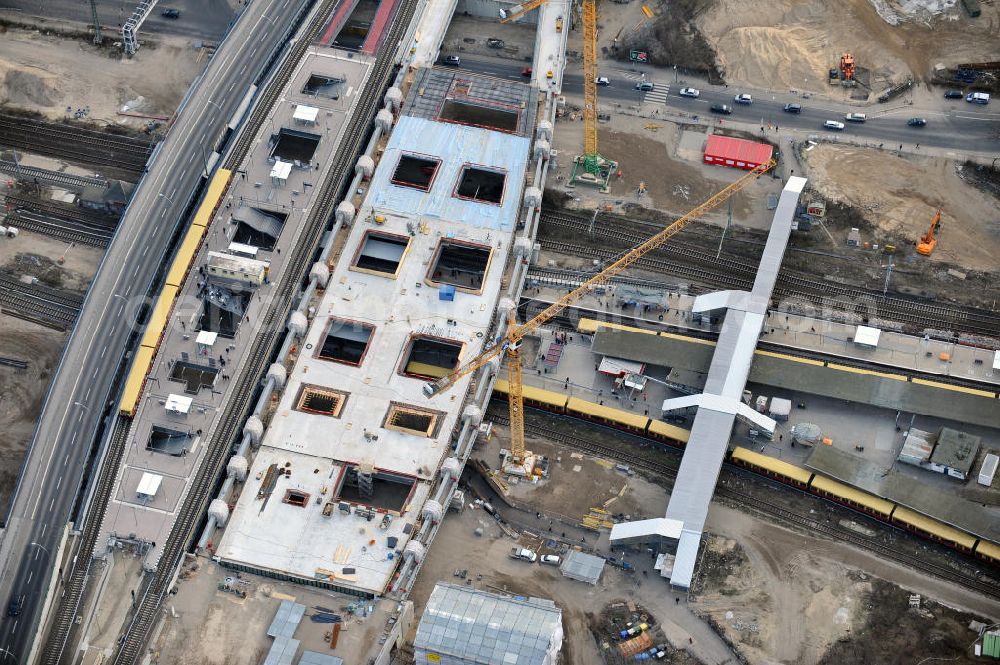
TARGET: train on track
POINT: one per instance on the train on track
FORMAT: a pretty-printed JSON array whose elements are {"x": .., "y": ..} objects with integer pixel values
[
  {"x": 789, "y": 474},
  {"x": 142, "y": 362}
]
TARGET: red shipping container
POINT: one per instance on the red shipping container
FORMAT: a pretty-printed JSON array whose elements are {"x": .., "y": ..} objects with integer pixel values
[{"x": 738, "y": 153}]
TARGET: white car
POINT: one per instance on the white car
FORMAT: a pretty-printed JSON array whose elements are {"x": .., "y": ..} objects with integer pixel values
[
  {"x": 689, "y": 92},
  {"x": 743, "y": 99},
  {"x": 602, "y": 80},
  {"x": 855, "y": 117},
  {"x": 551, "y": 559},
  {"x": 833, "y": 124}
]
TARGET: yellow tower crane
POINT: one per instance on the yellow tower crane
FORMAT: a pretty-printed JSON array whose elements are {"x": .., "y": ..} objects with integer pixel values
[
  {"x": 597, "y": 167},
  {"x": 510, "y": 343}
]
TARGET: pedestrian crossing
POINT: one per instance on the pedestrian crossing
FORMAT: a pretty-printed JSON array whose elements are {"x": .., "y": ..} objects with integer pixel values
[{"x": 657, "y": 95}]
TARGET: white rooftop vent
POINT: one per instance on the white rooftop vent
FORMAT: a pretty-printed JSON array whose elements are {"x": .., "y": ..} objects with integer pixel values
[
  {"x": 306, "y": 114},
  {"x": 865, "y": 336},
  {"x": 207, "y": 338},
  {"x": 149, "y": 485},
  {"x": 178, "y": 404},
  {"x": 280, "y": 172}
]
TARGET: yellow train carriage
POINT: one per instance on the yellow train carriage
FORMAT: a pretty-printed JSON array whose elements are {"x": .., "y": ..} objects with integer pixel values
[
  {"x": 158, "y": 317},
  {"x": 773, "y": 468},
  {"x": 670, "y": 434},
  {"x": 537, "y": 397},
  {"x": 607, "y": 416},
  {"x": 141, "y": 363},
  {"x": 989, "y": 551},
  {"x": 851, "y": 497},
  {"x": 213, "y": 197},
  {"x": 185, "y": 256},
  {"x": 933, "y": 529}
]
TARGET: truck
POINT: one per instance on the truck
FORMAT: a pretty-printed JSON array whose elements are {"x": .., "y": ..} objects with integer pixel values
[{"x": 523, "y": 554}]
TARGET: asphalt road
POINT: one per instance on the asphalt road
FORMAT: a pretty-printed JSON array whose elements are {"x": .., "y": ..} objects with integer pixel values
[
  {"x": 82, "y": 387},
  {"x": 200, "y": 19},
  {"x": 953, "y": 124}
]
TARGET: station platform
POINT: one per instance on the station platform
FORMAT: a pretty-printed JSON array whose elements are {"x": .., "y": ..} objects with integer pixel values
[{"x": 672, "y": 310}]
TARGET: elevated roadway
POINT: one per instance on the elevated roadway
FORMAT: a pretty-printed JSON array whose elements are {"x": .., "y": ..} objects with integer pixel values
[
  {"x": 955, "y": 124},
  {"x": 80, "y": 394}
]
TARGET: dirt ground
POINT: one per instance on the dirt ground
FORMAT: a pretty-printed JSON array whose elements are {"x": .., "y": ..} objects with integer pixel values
[
  {"x": 899, "y": 197},
  {"x": 821, "y": 611},
  {"x": 22, "y": 392},
  {"x": 37, "y": 255},
  {"x": 48, "y": 73},
  {"x": 791, "y": 44},
  {"x": 655, "y": 153}
]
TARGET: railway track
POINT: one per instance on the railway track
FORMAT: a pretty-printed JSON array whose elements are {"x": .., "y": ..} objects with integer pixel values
[
  {"x": 78, "y": 144},
  {"x": 62, "y": 211},
  {"x": 76, "y": 580},
  {"x": 42, "y": 304},
  {"x": 156, "y": 585},
  {"x": 691, "y": 262},
  {"x": 770, "y": 509},
  {"x": 45, "y": 176},
  {"x": 61, "y": 229}
]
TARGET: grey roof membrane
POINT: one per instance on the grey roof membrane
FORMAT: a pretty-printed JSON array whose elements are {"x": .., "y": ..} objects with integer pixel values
[
  {"x": 486, "y": 628},
  {"x": 583, "y": 567},
  {"x": 691, "y": 356},
  {"x": 956, "y": 449},
  {"x": 905, "y": 490}
]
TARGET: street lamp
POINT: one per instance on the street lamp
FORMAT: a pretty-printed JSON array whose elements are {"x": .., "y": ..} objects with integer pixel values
[{"x": 42, "y": 547}]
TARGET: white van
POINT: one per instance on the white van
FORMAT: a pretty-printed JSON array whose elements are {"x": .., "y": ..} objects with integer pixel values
[
  {"x": 855, "y": 117},
  {"x": 978, "y": 98}
]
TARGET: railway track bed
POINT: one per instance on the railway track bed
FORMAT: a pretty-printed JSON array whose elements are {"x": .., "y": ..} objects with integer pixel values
[
  {"x": 691, "y": 264},
  {"x": 34, "y": 302},
  {"x": 78, "y": 144}
]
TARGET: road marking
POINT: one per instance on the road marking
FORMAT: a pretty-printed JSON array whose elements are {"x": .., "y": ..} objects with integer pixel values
[
  {"x": 31, "y": 574},
  {"x": 59, "y": 482},
  {"x": 66, "y": 459},
  {"x": 37, "y": 552},
  {"x": 91, "y": 386},
  {"x": 145, "y": 249},
  {"x": 52, "y": 503},
  {"x": 44, "y": 527},
  {"x": 103, "y": 351}
]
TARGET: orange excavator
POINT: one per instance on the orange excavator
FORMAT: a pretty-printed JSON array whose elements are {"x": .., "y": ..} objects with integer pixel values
[
  {"x": 929, "y": 240},
  {"x": 847, "y": 67}
]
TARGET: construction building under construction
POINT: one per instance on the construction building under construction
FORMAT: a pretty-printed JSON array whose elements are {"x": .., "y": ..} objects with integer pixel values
[{"x": 343, "y": 475}]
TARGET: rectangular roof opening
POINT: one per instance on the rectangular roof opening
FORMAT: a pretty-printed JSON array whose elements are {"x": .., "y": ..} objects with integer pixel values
[
  {"x": 415, "y": 171},
  {"x": 292, "y": 145},
  {"x": 331, "y": 87},
  {"x": 321, "y": 401},
  {"x": 412, "y": 420},
  {"x": 346, "y": 341},
  {"x": 168, "y": 441},
  {"x": 195, "y": 377},
  {"x": 381, "y": 253},
  {"x": 368, "y": 486},
  {"x": 461, "y": 264},
  {"x": 490, "y": 117},
  {"x": 430, "y": 357},
  {"x": 480, "y": 184},
  {"x": 296, "y": 498}
]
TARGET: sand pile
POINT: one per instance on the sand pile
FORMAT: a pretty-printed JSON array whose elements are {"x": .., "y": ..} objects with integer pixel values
[{"x": 786, "y": 57}]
